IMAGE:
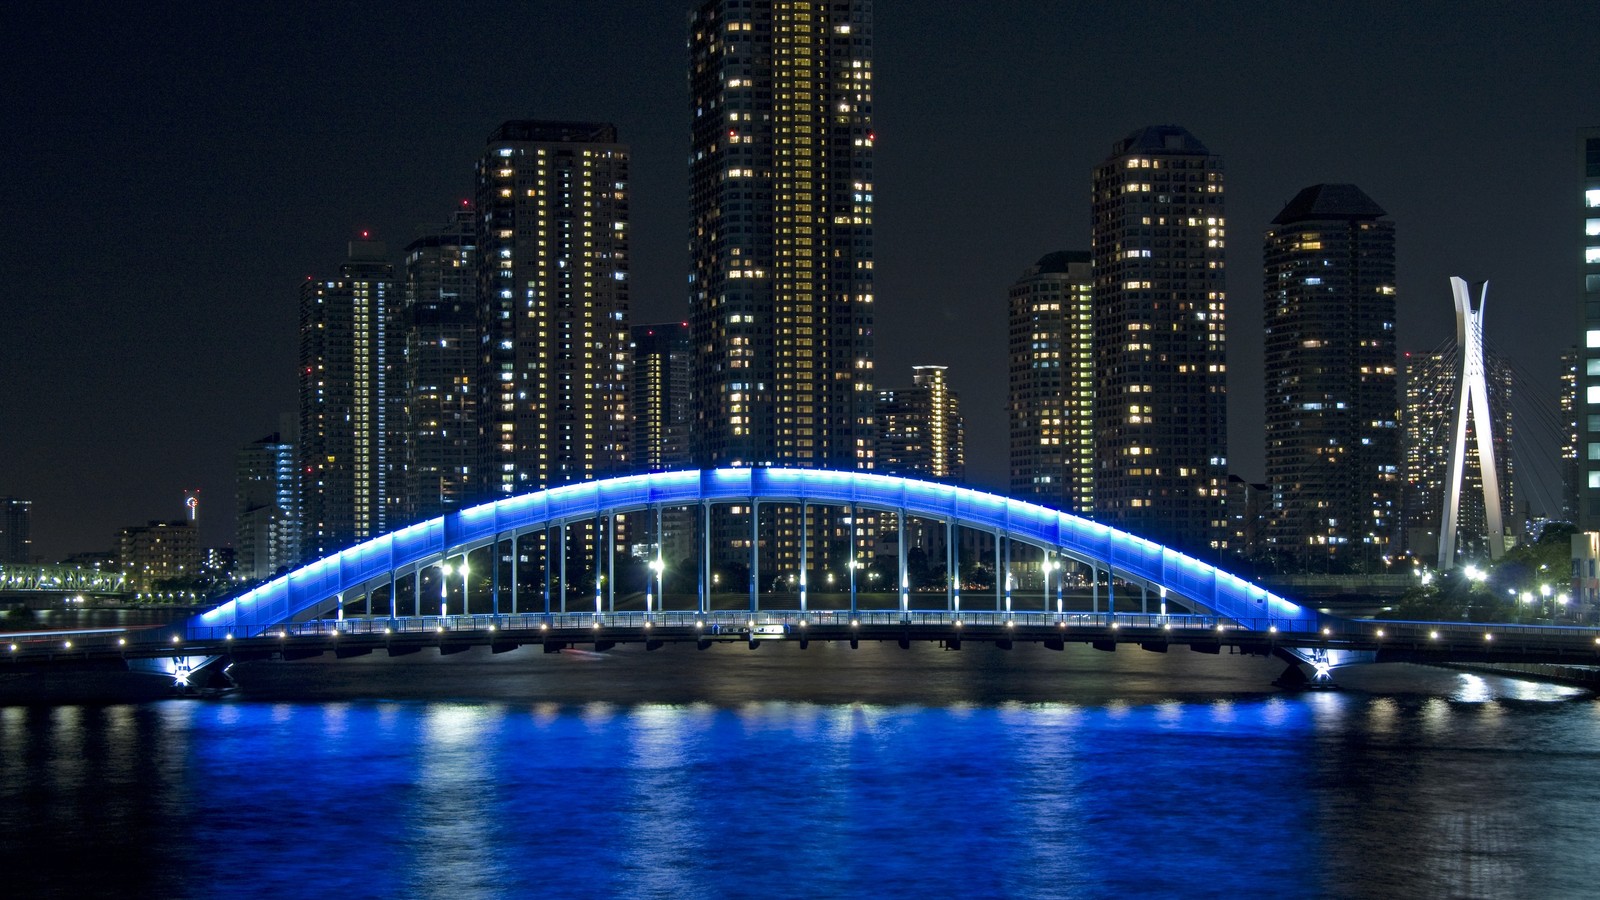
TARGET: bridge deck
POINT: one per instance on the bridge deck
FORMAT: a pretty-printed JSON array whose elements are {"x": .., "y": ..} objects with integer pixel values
[{"x": 1390, "y": 641}]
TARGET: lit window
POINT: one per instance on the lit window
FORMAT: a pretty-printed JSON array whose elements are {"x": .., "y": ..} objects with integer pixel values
[{"x": 1591, "y": 198}]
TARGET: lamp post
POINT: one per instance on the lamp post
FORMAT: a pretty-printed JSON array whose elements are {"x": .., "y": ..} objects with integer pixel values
[
  {"x": 657, "y": 566},
  {"x": 445, "y": 571}
]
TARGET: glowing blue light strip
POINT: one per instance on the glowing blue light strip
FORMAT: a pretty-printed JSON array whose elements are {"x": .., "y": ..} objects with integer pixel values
[{"x": 425, "y": 543}]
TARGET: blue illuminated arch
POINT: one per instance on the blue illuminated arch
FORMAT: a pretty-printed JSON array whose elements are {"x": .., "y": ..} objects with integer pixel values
[{"x": 418, "y": 546}]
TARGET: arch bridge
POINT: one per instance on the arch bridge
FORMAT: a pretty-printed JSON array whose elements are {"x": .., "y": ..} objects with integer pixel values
[
  {"x": 804, "y": 509},
  {"x": 543, "y": 568}
]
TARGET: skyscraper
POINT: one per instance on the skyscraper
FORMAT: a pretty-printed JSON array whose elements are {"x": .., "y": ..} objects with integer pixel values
[
  {"x": 920, "y": 432},
  {"x": 1426, "y": 416},
  {"x": 439, "y": 318},
  {"x": 660, "y": 397},
  {"x": 1161, "y": 442},
  {"x": 1051, "y": 398},
  {"x": 266, "y": 537},
  {"x": 781, "y": 238},
  {"x": 1589, "y": 373},
  {"x": 1333, "y": 448},
  {"x": 351, "y": 414},
  {"x": 552, "y": 201},
  {"x": 16, "y": 531}
]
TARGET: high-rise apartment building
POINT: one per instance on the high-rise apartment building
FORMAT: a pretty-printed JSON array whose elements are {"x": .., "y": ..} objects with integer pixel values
[
  {"x": 781, "y": 237},
  {"x": 1333, "y": 435},
  {"x": 1160, "y": 316},
  {"x": 351, "y": 414},
  {"x": 1427, "y": 417},
  {"x": 552, "y": 201},
  {"x": 662, "y": 367},
  {"x": 16, "y": 531},
  {"x": 266, "y": 536},
  {"x": 439, "y": 320},
  {"x": 1051, "y": 397},
  {"x": 1588, "y": 395},
  {"x": 920, "y": 432}
]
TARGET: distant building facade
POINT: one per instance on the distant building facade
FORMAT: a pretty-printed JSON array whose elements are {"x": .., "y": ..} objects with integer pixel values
[
  {"x": 1050, "y": 397},
  {"x": 552, "y": 232},
  {"x": 16, "y": 531},
  {"x": 267, "y": 535},
  {"x": 662, "y": 368},
  {"x": 439, "y": 322},
  {"x": 1160, "y": 319},
  {"x": 920, "y": 431},
  {"x": 1248, "y": 504},
  {"x": 158, "y": 551},
  {"x": 351, "y": 409},
  {"x": 1588, "y": 394},
  {"x": 1427, "y": 417},
  {"x": 1567, "y": 404},
  {"x": 1332, "y": 403}
]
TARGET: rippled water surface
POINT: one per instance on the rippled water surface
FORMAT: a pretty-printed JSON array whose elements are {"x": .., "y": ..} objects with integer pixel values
[{"x": 825, "y": 772}]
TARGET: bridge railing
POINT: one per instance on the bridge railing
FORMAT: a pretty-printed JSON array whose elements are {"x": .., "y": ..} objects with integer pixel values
[{"x": 572, "y": 624}]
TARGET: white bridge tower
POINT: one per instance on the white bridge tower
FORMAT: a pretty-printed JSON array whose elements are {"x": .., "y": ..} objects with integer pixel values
[{"x": 1472, "y": 399}]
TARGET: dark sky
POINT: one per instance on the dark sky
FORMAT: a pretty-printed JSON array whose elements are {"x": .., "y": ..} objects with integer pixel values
[{"x": 170, "y": 174}]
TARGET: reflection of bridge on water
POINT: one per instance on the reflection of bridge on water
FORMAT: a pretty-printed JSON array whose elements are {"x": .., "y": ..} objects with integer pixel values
[{"x": 356, "y": 601}]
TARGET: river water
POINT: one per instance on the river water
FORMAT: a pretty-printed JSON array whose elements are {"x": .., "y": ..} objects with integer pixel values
[{"x": 827, "y": 772}]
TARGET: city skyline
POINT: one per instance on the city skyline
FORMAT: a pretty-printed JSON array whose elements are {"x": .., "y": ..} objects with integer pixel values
[{"x": 1481, "y": 186}]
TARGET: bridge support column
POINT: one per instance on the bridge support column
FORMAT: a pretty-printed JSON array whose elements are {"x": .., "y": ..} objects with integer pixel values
[
  {"x": 494, "y": 577},
  {"x": 952, "y": 569},
  {"x": 999, "y": 579},
  {"x": 547, "y": 571},
  {"x": 851, "y": 565},
  {"x": 561, "y": 549},
  {"x": 900, "y": 548},
  {"x": 1061, "y": 578},
  {"x": 755, "y": 555},
  {"x": 599, "y": 566},
  {"x": 1144, "y": 599},
  {"x": 1008, "y": 576},
  {"x": 611, "y": 561},
  {"x": 1044, "y": 579},
  {"x": 803, "y": 510},
  {"x": 661, "y": 554},
  {"x": 705, "y": 557},
  {"x": 1094, "y": 589},
  {"x": 515, "y": 581}
]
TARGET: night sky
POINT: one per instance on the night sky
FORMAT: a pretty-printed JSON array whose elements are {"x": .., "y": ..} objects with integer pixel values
[{"x": 170, "y": 174}]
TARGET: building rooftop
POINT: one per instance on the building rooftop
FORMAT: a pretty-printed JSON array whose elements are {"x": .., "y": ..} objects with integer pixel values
[
  {"x": 555, "y": 132},
  {"x": 1061, "y": 259},
  {"x": 1162, "y": 139},
  {"x": 1329, "y": 201}
]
